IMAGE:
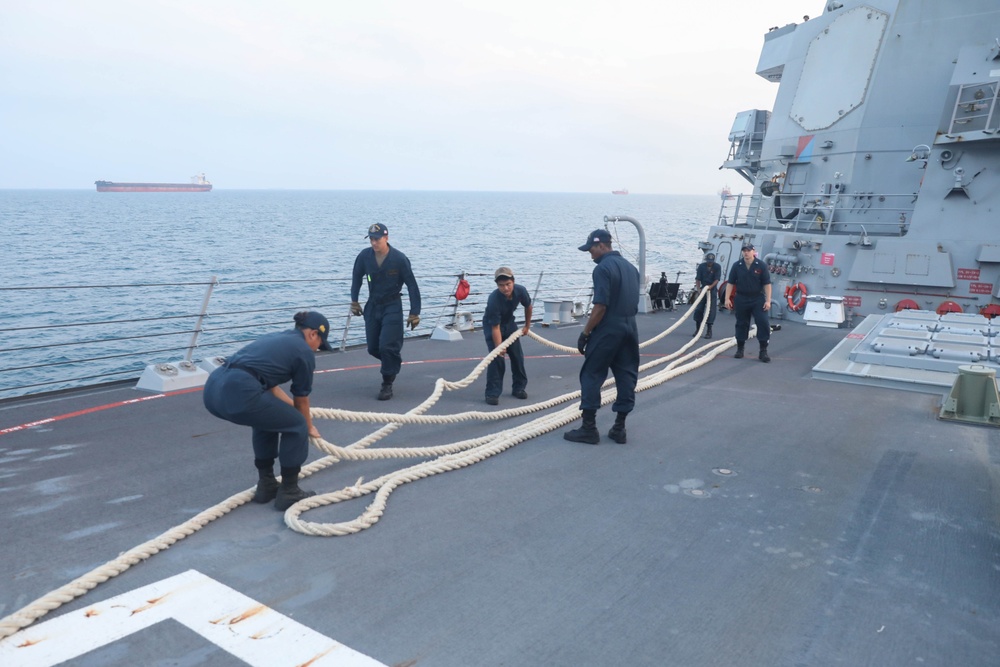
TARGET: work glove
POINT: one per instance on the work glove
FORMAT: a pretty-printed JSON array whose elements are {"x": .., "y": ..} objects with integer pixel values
[
  {"x": 356, "y": 308},
  {"x": 413, "y": 321},
  {"x": 581, "y": 342}
]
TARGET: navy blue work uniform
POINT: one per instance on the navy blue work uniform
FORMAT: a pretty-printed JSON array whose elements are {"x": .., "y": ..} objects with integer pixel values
[
  {"x": 748, "y": 300},
  {"x": 706, "y": 274},
  {"x": 500, "y": 311},
  {"x": 384, "y": 308},
  {"x": 240, "y": 392},
  {"x": 614, "y": 342}
]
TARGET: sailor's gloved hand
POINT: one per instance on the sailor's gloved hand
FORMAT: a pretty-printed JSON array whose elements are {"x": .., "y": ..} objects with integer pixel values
[
  {"x": 581, "y": 342},
  {"x": 356, "y": 308},
  {"x": 413, "y": 321}
]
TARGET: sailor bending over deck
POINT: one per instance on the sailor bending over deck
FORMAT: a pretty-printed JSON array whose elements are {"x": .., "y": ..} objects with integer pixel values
[
  {"x": 610, "y": 339},
  {"x": 245, "y": 391},
  {"x": 387, "y": 270}
]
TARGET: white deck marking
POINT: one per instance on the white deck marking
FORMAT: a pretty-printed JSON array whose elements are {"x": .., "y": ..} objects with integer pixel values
[{"x": 239, "y": 625}]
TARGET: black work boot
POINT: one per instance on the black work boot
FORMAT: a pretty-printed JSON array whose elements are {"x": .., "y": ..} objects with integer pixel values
[
  {"x": 588, "y": 432},
  {"x": 708, "y": 331},
  {"x": 763, "y": 353},
  {"x": 385, "y": 392},
  {"x": 267, "y": 485},
  {"x": 697, "y": 327},
  {"x": 289, "y": 492},
  {"x": 739, "y": 351},
  {"x": 617, "y": 432}
]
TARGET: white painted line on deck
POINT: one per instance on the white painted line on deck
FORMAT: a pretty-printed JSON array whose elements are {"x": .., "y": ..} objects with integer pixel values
[{"x": 252, "y": 632}]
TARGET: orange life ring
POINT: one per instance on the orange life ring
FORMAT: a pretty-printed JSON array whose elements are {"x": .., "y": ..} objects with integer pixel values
[{"x": 794, "y": 304}]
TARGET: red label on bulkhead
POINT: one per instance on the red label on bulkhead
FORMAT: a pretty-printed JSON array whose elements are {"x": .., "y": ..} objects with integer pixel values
[
  {"x": 968, "y": 274},
  {"x": 826, "y": 259},
  {"x": 980, "y": 288},
  {"x": 852, "y": 301}
]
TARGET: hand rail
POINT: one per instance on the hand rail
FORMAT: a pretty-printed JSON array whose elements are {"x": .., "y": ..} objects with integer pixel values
[{"x": 45, "y": 352}]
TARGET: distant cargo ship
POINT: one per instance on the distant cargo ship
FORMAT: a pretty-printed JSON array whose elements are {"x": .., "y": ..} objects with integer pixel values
[
  {"x": 198, "y": 184},
  {"x": 623, "y": 191},
  {"x": 725, "y": 193}
]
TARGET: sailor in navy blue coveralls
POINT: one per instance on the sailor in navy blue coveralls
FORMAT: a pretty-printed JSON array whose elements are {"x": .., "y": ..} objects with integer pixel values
[
  {"x": 386, "y": 270},
  {"x": 498, "y": 324},
  {"x": 610, "y": 340},
  {"x": 708, "y": 273},
  {"x": 749, "y": 293},
  {"x": 246, "y": 390}
]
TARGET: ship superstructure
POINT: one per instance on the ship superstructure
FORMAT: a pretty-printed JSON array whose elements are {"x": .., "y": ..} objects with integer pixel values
[{"x": 877, "y": 174}]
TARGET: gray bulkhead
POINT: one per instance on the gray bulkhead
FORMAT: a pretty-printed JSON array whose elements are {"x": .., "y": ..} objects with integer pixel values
[{"x": 880, "y": 165}]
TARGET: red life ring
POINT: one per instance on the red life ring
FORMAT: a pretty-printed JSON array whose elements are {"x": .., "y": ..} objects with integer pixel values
[
  {"x": 907, "y": 304},
  {"x": 990, "y": 311},
  {"x": 793, "y": 303},
  {"x": 462, "y": 291},
  {"x": 948, "y": 307}
]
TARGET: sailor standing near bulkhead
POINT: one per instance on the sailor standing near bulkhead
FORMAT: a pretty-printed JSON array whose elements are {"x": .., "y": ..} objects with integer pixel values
[
  {"x": 245, "y": 390},
  {"x": 751, "y": 282},
  {"x": 610, "y": 339},
  {"x": 386, "y": 271}
]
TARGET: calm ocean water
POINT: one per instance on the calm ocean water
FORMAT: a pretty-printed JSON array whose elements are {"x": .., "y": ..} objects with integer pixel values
[{"x": 67, "y": 251}]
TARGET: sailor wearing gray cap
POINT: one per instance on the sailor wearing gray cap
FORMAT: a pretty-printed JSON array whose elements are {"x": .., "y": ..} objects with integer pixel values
[
  {"x": 610, "y": 340},
  {"x": 246, "y": 390}
]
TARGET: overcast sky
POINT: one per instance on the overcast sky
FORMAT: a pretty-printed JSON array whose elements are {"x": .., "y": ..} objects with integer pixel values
[{"x": 549, "y": 96}]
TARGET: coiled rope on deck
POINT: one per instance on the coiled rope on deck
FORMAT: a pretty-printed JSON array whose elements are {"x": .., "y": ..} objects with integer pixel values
[{"x": 449, "y": 457}]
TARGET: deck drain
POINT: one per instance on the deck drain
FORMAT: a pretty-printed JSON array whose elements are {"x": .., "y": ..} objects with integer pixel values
[
  {"x": 697, "y": 493},
  {"x": 811, "y": 489},
  {"x": 724, "y": 472}
]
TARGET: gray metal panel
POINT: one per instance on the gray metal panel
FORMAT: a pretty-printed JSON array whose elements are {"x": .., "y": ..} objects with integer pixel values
[
  {"x": 988, "y": 253},
  {"x": 838, "y": 68},
  {"x": 910, "y": 340},
  {"x": 894, "y": 261},
  {"x": 777, "y": 46}
]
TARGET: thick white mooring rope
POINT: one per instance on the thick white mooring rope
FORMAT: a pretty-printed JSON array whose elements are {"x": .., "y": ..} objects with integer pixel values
[{"x": 448, "y": 457}]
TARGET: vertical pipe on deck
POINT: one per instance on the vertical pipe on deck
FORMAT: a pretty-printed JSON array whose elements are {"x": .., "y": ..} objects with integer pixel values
[
  {"x": 644, "y": 304},
  {"x": 201, "y": 316}
]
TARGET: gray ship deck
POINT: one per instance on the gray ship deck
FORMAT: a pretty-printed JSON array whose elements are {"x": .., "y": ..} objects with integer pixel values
[{"x": 854, "y": 527}]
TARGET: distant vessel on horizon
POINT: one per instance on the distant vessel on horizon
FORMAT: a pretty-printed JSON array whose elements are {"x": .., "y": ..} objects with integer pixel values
[
  {"x": 725, "y": 193},
  {"x": 198, "y": 184},
  {"x": 623, "y": 191}
]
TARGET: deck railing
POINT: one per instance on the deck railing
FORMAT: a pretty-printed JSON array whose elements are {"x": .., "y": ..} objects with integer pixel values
[
  {"x": 119, "y": 329},
  {"x": 862, "y": 213}
]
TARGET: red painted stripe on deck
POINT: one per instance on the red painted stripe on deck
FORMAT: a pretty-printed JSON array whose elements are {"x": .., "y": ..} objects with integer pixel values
[{"x": 143, "y": 399}]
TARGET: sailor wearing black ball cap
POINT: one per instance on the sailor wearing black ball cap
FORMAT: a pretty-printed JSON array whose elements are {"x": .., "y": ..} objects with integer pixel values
[
  {"x": 748, "y": 293},
  {"x": 386, "y": 270},
  {"x": 610, "y": 340},
  {"x": 246, "y": 391},
  {"x": 708, "y": 273}
]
